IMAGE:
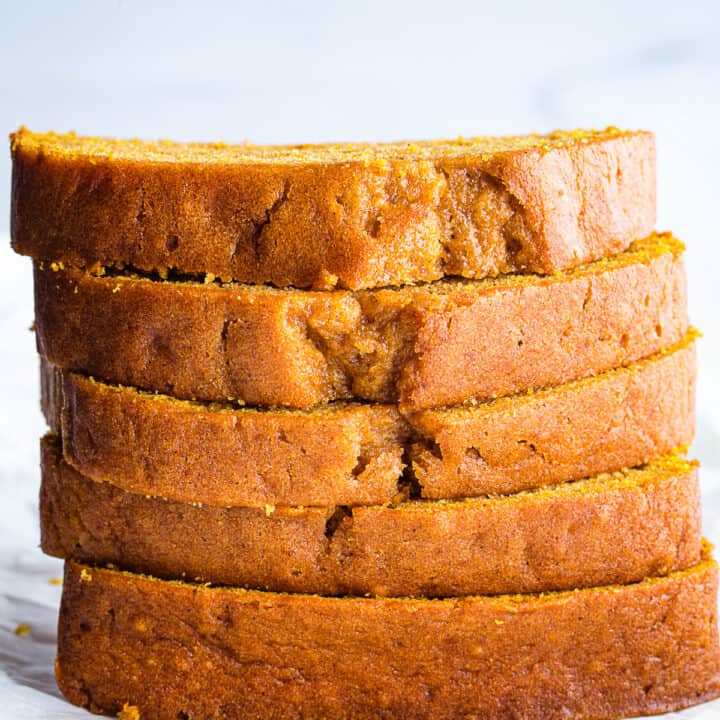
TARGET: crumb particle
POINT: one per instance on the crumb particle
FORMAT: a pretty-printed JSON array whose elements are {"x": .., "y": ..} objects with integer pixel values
[
  {"x": 85, "y": 575},
  {"x": 22, "y": 630},
  {"x": 129, "y": 712}
]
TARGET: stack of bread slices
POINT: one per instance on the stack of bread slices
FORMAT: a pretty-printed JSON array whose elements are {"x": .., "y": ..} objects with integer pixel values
[{"x": 367, "y": 431}]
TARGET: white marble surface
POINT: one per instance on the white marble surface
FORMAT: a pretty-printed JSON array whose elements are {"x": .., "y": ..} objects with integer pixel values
[{"x": 292, "y": 71}]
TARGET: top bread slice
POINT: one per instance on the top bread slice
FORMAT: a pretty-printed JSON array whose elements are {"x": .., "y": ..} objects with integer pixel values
[{"x": 324, "y": 216}]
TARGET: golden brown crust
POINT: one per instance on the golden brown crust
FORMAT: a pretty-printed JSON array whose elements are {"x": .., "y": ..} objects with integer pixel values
[
  {"x": 326, "y": 216},
  {"x": 355, "y": 454},
  {"x": 428, "y": 346},
  {"x": 178, "y": 650},
  {"x": 615, "y": 528}
]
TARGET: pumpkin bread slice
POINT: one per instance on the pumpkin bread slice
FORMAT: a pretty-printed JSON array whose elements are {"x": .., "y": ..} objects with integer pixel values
[
  {"x": 427, "y": 346},
  {"x": 324, "y": 216},
  {"x": 367, "y": 454},
  {"x": 177, "y": 650},
  {"x": 613, "y": 528}
]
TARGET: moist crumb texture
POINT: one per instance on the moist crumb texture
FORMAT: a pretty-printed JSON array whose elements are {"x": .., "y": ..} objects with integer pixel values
[
  {"x": 353, "y": 216},
  {"x": 424, "y": 347}
]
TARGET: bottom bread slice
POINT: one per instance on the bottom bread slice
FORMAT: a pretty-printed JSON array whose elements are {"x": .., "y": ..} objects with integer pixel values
[
  {"x": 613, "y": 528},
  {"x": 177, "y": 650}
]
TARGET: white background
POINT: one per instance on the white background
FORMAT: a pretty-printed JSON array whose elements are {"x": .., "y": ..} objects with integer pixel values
[{"x": 293, "y": 71}]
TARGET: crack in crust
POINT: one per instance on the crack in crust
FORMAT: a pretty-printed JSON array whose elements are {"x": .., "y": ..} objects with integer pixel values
[
  {"x": 341, "y": 514},
  {"x": 259, "y": 227}
]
